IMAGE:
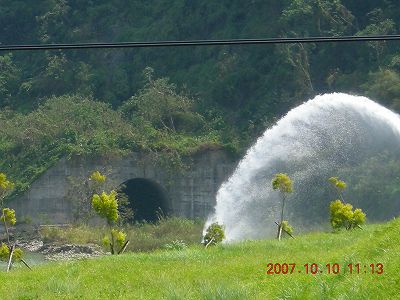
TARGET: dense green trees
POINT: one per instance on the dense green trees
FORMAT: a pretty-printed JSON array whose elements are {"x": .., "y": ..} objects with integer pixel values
[
  {"x": 213, "y": 95},
  {"x": 159, "y": 120},
  {"x": 162, "y": 107},
  {"x": 262, "y": 81},
  {"x": 9, "y": 79},
  {"x": 377, "y": 194},
  {"x": 61, "y": 126}
]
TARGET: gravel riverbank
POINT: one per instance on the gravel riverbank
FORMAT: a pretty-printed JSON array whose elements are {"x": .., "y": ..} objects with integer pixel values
[{"x": 56, "y": 252}]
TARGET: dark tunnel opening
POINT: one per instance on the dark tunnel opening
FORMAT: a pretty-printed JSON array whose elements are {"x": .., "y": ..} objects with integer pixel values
[{"x": 146, "y": 198}]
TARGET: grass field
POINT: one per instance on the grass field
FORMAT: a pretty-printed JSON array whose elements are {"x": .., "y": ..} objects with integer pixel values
[{"x": 235, "y": 271}]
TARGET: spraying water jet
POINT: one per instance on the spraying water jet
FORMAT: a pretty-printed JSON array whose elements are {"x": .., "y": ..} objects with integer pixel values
[{"x": 314, "y": 141}]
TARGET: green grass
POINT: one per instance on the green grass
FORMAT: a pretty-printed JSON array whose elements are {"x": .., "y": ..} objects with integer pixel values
[{"x": 236, "y": 271}]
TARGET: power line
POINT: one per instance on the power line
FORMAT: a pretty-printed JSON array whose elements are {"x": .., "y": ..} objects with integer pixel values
[{"x": 191, "y": 43}]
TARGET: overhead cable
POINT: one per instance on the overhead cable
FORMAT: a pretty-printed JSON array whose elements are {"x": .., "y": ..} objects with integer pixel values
[{"x": 196, "y": 43}]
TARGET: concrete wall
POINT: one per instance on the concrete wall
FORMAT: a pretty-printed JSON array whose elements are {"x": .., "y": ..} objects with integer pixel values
[{"x": 190, "y": 194}]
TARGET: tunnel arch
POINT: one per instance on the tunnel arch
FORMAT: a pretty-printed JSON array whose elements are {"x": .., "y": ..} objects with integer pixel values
[{"x": 146, "y": 198}]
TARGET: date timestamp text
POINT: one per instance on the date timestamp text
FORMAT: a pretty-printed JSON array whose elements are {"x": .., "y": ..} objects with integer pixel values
[{"x": 330, "y": 268}]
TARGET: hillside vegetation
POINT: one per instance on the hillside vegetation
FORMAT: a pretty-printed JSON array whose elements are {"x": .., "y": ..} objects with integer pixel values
[
  {"x": 236, "y": 271},
  {"x": 77, "y": 125},
  {"x": 60, "y": 103},
  {"x": 246, "y": 83}
]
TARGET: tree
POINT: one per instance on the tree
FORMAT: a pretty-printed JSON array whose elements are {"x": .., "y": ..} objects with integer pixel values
[
  {"x": 284, "y": 184},
  {"x": 9, "y": 80},
  {"x": 7, "y": 215},
  {"x": 215, "y": 234},
  {"x": 5, "y": 187},
  {"x": 8, "y": 252},
  {"x": 159, "y": 103},
  {"x": 376, "y": 185},
  {"x": 384, "y": 85},
  {"x": 317, "y": 18},
  {"x": 80, "y": 194},
  {"x": 106, "y": 206},
  {"x": 379, "y": 25}
]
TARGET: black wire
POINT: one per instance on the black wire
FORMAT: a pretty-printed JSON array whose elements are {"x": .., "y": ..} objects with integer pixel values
[{"x": 200, "y": 43}]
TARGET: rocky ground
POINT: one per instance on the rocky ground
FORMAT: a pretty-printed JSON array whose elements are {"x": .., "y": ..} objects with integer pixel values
[
  {"x": 61, "y": 252},
  {"x": 30, "y": 241}
]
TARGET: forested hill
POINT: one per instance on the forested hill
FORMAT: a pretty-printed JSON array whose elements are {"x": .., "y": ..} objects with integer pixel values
[
  {"x": 223, "y": 95},
  {"x": 246, "y": 83}
]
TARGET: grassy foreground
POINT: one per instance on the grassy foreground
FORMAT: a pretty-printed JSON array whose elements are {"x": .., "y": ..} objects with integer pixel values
[{"x": 235, "y": 271}]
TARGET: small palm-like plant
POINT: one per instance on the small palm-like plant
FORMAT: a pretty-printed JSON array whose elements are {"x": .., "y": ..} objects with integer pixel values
[
  {"x": 284, "y": 184},
  {"x": 106, "y": 206}
]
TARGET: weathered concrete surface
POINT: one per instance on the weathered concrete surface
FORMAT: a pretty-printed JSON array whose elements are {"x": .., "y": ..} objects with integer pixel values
[{"x": 190, "y": 194}]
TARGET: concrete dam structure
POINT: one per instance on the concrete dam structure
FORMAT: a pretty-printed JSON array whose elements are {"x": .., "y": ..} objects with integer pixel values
[{"x": 189, "y": 193}]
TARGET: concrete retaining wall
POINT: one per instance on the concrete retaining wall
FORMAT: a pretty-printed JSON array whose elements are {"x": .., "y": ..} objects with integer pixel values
[{"x": 190, "y": 194}]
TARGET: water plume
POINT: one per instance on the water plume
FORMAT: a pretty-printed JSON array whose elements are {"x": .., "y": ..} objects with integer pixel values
[{"x": 313, "y": 142}]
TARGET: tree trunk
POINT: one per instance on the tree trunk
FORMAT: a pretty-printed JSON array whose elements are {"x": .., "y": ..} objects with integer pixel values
[
  {"x": 10, "y": 258},
  {"x": 208, "y": 244},
  {"x": 7, "y": 232},
  {"x": 279, "y": 235},
  {"x": 172, "y": 123},
  {"x": 112, "y": 239},
  {"x": 123, "y": 248},
  {"x": 340, "y": 196}
]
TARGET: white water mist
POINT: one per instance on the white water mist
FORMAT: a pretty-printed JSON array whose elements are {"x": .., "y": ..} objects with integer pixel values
[{"x": 315, "y": 138}]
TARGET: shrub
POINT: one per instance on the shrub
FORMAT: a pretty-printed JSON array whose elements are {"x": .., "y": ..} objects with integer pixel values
[
  {"x": 8, "y": 216},
  {"x": 4, "y": 252},
  {"x": 287, "y": 227},
  {"x": 215, "y": 234},
  {"x": 175, "y": 245},
  {"x": 341, "y": 213},
  {"x": 343, "y": 216},
  {"x": 97, "y": 177}
]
